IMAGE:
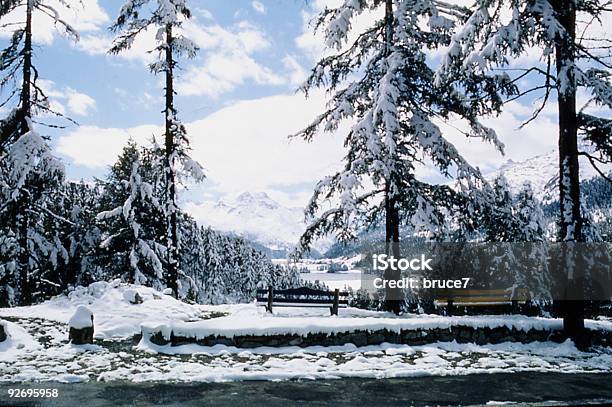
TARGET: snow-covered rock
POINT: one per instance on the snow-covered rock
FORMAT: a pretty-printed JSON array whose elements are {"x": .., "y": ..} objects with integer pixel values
[
  {"x": 81, "y": 326},
  {"x": 132, "y": 297},
  {"x": 168, "y": 291},
  {"x": 82, "y": 318},
  {"x": 3, "y": 331}
]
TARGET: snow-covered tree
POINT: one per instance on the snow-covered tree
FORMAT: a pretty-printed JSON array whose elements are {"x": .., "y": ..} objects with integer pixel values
[
  {"x": 570, "y": 38},
  {"x": 529, "y": 216},
  {"x": 499, "y": 222},
  {"x": 8, "y": 255},
  {"x": 165, "y": 18},
  {"x": 381, "y": 82},
  {"x": 28, "y": 174},
  {"x": 28, "y": 171},
  {"x": 77, "y": 205},
  {"x": 132, "y": 229},
  {"x": 18, "y": 73}
]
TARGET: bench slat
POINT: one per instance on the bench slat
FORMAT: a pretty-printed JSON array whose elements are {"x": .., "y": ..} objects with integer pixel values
[
  {"x": 304, "y": 291},
  {"x": 301, "y": 300}
]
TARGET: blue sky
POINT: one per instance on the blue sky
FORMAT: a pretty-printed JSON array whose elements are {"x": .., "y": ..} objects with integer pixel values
[{"x": 237, "y": 99}]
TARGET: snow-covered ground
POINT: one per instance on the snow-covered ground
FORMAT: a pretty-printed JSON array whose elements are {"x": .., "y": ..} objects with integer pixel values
[
  {"x": 38, "y": 348},
  {"x": 114, "y": 316}
]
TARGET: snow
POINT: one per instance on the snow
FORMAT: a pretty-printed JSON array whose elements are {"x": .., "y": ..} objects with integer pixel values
[
  {"x": 18, "y": 340},
  {"x": 82, "y": 318},
  {"x": 375, "y": 361},
  {"x": 114, "y": 317},
  {"x": 38, "y": 348},
  {"x": 257, "y": 217},
  {"x": 541, "y": 172},
  {"x": 130, "y": 295},
  {"x": 250, "y": 320}
]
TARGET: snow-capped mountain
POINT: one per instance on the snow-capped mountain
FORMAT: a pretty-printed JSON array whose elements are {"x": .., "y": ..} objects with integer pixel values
[
  {"x": 541, "y": 171},
  {"x": 257, "y": 217}
]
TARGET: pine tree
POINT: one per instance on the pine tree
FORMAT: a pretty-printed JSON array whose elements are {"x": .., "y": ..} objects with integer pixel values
[
  {"x": 488, "y": 40},
  {"x": 393, "y": 107},
  {"x": 28, "y": 171},
  {"x": 166, "y": 17}
]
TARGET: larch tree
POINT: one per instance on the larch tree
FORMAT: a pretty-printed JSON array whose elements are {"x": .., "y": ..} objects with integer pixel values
[
  {"x": 574, "y": 57},
  {"x": 165, "y": 18},
  {"x": 382, "y": 83},
  {"x": 28, "y": 170}
]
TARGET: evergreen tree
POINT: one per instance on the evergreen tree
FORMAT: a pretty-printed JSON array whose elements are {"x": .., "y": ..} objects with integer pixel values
[
  {"x": 130, "y": 220},
  {"x": 166, "y": 17},
  {"x": 77, "y": 205},
  {"x": 28, "y": 171},
  {"x": 499, "y": 222},
  {"x": 393, "y": 107},
  {"x": 488, "y": 40}
]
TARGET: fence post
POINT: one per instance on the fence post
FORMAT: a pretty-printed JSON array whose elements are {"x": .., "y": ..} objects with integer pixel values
[
  {"x": 334, "y": 309},
  {"x": 270, "y": 299}
]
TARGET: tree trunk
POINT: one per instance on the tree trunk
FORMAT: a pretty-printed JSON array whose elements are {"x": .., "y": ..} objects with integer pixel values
[
  {"x": 23, "y": 222},
  {"x": 569, "y": 178},
  {"x": 26, "y": 87},
  {"x": 393, "y": 296},
  {"x": 171, "y": 209}
]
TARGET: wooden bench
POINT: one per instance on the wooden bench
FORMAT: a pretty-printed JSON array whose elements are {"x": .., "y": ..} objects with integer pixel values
[
  {"x": 481, "y": 298},
  {"x": 302, "y": 297}
]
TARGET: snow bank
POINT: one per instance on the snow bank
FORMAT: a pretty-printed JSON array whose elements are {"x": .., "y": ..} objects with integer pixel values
[
  {"x": 258, "y": 323},
  {"x": 114, "y": 316},
  {"x": 17, "y": 341},
  {"x": 82, "y": 318}
]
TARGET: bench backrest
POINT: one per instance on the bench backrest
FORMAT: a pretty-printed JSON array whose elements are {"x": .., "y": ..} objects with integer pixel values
[
  {"x": 302, "y": 297},
  {"x": 483, "y": 297}
]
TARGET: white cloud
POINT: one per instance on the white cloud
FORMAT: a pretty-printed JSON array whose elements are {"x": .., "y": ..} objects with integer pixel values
[
  {"x": 243, "y": 147},
  {"x": 226, "y": 59},
  {"x": 258, "y": 6},
  {"x": 296, "y": 73},
  {"x": 78, "y": 103},
  {"x": 103, "y": 144},
  {"x": 222, "y": 73}
]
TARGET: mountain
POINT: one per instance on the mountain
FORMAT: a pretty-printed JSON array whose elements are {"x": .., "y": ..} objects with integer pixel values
[
  {"x": 275, "y": 229},
  {"x": 256, "y": 217},
  {"x": 542, "y": 172}
]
